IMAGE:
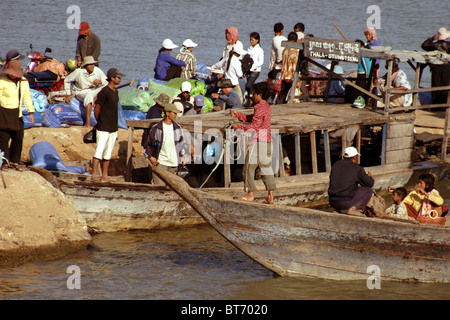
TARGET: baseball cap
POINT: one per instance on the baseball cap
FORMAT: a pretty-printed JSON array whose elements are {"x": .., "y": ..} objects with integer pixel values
[
  {"x": 350, "y": 152},
  {"x": 113, "y": 72},
  {"x": 199, "y": 100},
  {"x": 186, "y": 86},
  {"x": 170, "y": 107}
]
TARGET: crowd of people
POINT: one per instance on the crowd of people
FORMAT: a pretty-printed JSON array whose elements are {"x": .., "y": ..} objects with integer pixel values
[{"x": 234, "y": 81}]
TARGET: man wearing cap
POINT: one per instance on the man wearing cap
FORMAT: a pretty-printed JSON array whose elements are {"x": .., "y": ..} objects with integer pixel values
[
  {"x": 440, "y": 73},
  {"x": 189, "y": 70},
  {"x": 107, "y": 124},
  {"x": 345, "y": 177},
  {"x": 167, "y": 67},
  {"x": 84, "y": 84},
  {"x": 184, "y": 101},
  {"x": 88, "y": 44},
  {"x": 164, "y": 143},
  {"x": 228, "y": 98},
  {"x": 14, "y": 90},
  {"x": 199, "y": 103}
]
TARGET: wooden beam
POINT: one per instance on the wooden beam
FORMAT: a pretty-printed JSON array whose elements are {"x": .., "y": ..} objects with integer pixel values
[
  {"x": 298, "y": 155},
  {"x": 326, "y": 148},
  {"x": 312, "y": 139},
  {"x": 129, "y": 153}
]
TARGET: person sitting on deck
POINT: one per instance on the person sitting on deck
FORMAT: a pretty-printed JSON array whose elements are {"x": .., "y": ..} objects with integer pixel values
[
  {"x": 425, "y": 198},
  {"x": 228, "y": 98},
  {"x": 184, "y": 101},
  {"x": 398, "y": 208},
  {"x": 399, "y": 81},
  {"x": 346, "y": 174}
]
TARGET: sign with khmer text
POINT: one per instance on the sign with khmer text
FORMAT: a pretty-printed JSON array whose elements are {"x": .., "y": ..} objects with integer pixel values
[{"x": 316, "y": 48}]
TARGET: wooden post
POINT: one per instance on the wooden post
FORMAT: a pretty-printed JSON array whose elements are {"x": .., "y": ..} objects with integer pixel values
[
  {"x": 281, "y": 162},
  {"x": 446, "y": 129},
  {"x": 295, "y": 80},
  {"x": 344, "y": 140},
  {"x": 358, "y": 143},
  {"x": 326, "y": 148},
  {"x": 312, "y": 139},
  {"x": 129, "y": 153},
  {"x": 416, "y": 84},
  {"x": 383, "y": 145},
  {"x": 387, "y": 97},
  {"x": 226, "y": 161},
  {"x": 298, "y": 155}
]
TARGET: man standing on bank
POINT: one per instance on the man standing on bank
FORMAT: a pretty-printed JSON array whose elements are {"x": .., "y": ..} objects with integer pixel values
[
  {"x": 107, "y": 124},
  {"x": 259, "y": 151},
  {"x": 164, "y": 143},
  {"x": 346, "y": 175},
  {"x": 88, "y": 44}
]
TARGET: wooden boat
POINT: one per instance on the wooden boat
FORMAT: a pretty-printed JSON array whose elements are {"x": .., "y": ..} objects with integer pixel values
[
  {"x": 123, "y": 206},
  {"x": 299, "y": 242}
]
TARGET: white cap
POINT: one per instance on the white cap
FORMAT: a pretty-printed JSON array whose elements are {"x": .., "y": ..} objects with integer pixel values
[
  {"x": 186, "y": 86},
  {"x": 188, "y": 43},
  {"x": 350, "y": 152},
  {"x": 168, "y": 44}
]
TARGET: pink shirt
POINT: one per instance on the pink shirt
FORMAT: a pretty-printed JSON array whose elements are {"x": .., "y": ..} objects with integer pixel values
[{"x": 259, "y": 122}]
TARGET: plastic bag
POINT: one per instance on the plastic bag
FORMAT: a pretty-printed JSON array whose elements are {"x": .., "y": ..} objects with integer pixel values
[
  {"x": 140, "y": 100},
  {"x": 90, "y": 137}
]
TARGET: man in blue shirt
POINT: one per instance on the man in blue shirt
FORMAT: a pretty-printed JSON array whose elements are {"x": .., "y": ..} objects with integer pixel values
[{"x": 228, "y": 99}]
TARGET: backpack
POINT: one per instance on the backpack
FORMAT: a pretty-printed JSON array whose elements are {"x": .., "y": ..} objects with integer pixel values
[{"x": 247, "y": 63}]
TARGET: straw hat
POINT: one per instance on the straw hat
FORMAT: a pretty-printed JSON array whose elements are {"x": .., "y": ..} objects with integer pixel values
[
  {"x": 88, "y": 60},
  {"x": 168, "y": 44},
  {"x": 14, "y": 68}
]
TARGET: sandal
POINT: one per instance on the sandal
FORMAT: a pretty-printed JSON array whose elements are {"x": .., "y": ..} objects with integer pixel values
[{"x": 16, "y": 167}]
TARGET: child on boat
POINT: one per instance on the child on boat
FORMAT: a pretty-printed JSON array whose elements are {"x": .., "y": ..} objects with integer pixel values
[
  {"x": 398, "y": 208},
  {"x": 425, "y": 198}
]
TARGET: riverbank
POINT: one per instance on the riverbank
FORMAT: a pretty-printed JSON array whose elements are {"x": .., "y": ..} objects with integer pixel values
[{"x": 37, "y": 221}]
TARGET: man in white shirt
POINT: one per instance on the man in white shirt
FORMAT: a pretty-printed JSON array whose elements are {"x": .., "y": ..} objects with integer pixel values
[
  {"x": 84, "y": 84},
  {"x": 277, "y": 49},
  {"x": 164, "y": 143}
]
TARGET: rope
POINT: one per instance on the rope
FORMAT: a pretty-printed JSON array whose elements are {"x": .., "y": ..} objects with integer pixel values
[{"x": 230, "y": 124}]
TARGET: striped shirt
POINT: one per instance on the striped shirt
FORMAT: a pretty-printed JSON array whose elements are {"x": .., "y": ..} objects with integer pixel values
[
  {"x": 189, "y": 70},
  {"x": 260, "y": 122}
]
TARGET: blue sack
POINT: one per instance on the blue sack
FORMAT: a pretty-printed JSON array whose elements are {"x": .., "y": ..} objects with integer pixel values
[{"x": 44, "y": 155}]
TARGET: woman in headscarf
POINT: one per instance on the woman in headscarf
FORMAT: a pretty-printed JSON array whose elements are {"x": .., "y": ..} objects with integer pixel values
[{"x": 233, "y": 42}]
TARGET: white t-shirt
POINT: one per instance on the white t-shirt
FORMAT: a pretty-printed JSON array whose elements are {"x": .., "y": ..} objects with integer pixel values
[
  {"x": 277, "y": 51},
  {"x": 168, "y": 154},
  {"x": 257, "y": 54}
]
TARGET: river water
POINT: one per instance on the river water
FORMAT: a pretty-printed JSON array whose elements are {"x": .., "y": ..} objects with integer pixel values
[{"x": 196, "y": 263}]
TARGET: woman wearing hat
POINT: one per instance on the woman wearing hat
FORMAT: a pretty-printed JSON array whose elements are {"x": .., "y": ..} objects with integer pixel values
[
  {"x": 167, "y": 67},
  {"x": 14, "y": 90},
  {"x": 186, "y": 55}
]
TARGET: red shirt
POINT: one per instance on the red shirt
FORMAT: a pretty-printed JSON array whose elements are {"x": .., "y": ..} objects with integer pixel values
[{"x": 259, "y": 123}]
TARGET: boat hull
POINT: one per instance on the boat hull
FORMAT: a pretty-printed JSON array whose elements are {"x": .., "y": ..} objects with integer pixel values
[{"x": 307, "y": 242}]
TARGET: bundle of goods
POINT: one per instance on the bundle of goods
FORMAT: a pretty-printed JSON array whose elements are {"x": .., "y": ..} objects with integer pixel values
[{"x": 44, "y": 155}]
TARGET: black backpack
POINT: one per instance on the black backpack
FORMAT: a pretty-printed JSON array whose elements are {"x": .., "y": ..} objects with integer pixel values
[{"x": 247, "y": 63}]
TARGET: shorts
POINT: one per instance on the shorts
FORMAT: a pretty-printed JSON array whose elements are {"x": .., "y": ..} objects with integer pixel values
[{"x": 105, "y": 145}]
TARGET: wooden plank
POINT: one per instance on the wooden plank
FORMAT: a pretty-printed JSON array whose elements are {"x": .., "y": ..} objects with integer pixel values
[
  {"x": 298, "y": 155},
  {"x": 387, "y": 98},
  {"x": 129, "y": 153},
  {"x": 326, "y": 147},
  {"x": 312, "y": 139}
]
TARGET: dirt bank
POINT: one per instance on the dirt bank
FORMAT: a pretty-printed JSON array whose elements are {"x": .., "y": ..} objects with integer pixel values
[{"x": 37, "y": 222}]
